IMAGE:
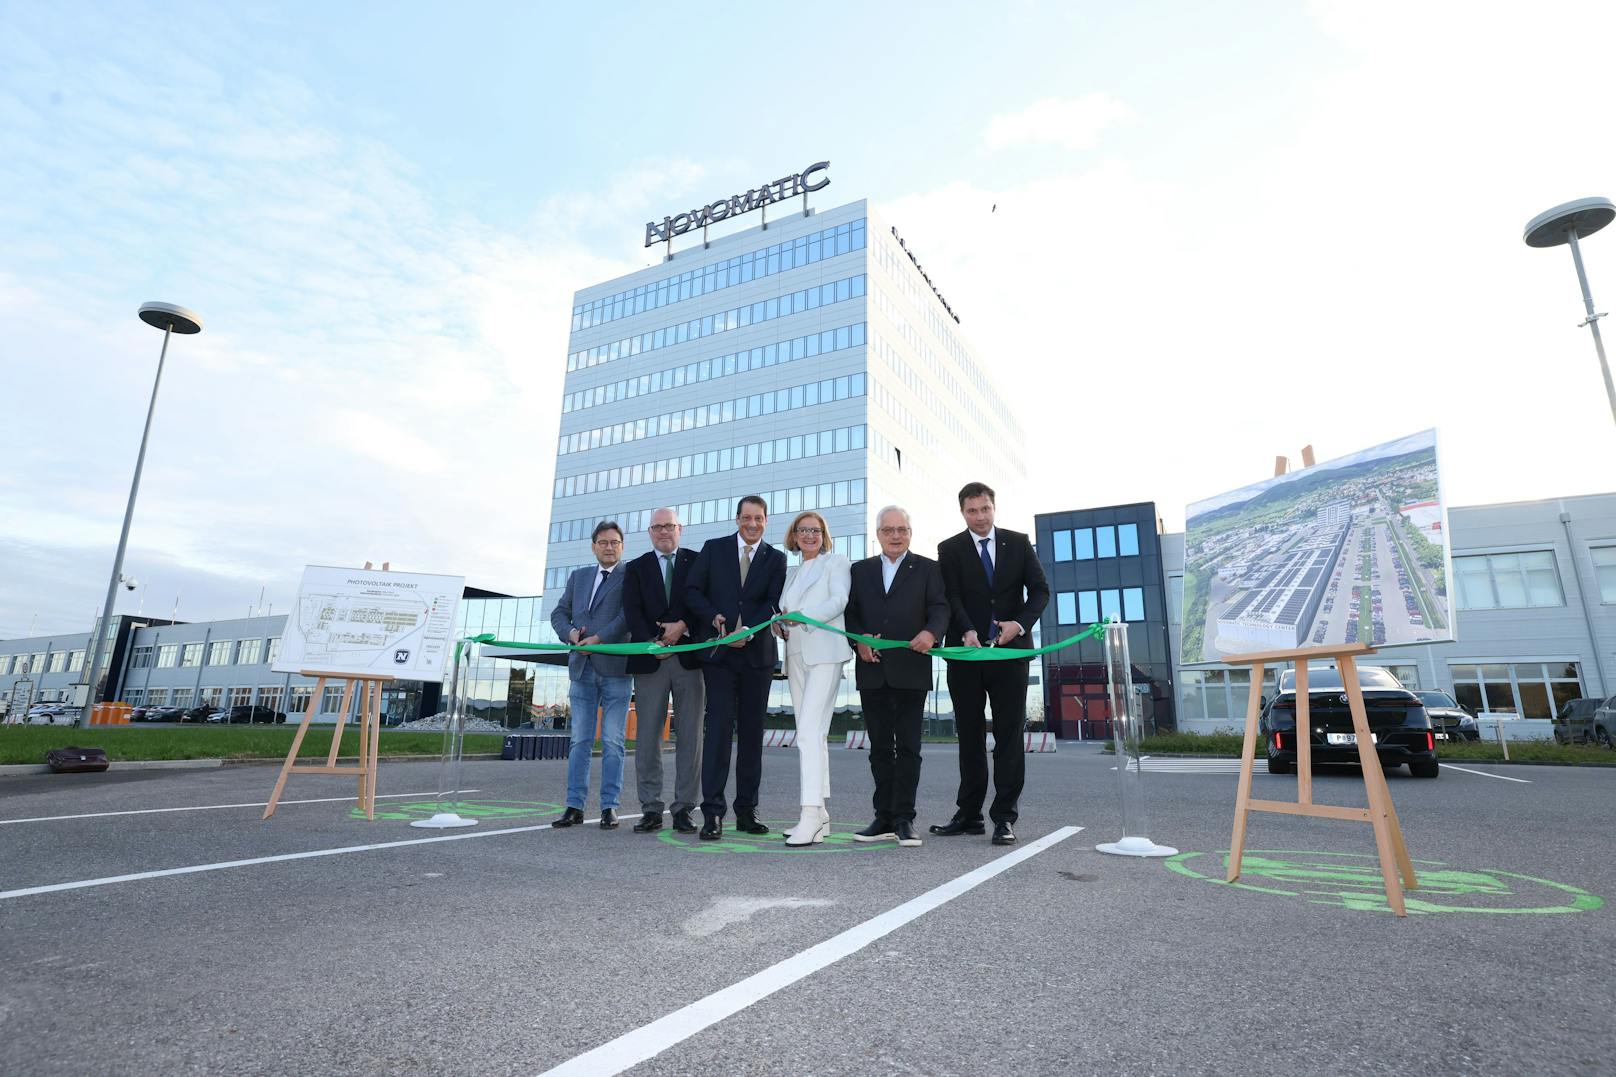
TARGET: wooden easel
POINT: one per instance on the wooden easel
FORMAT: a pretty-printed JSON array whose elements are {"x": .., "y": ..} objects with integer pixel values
[
  {"x": 1380, "y": 814},
  {"x": 370, "y": 723}
]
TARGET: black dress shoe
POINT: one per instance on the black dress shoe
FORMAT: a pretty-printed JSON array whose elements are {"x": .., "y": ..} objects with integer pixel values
[
  {"x": 1004, "y": 835},
  {"x": 747, "y": 823},
  {"x": 649, "y": 821},
  {"x": 955, "y": 827},
  {"x": 682, "y": 822},
  {"x": 905, "y": 829},
  {"x": 879, "y": 830},
  {"x": 608, "y": 818},
  {"x": 712, "y": 828},
  {"x": 570, "y": 817}
]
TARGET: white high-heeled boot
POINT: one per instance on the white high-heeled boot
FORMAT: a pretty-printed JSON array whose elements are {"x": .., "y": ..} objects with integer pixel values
[{"x": 811, "y": 828}]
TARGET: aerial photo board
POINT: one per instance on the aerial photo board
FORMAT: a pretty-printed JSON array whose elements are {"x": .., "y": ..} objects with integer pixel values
[
  {"x": 371, "y": 624},
  {"x": 1352, "y": 550}
]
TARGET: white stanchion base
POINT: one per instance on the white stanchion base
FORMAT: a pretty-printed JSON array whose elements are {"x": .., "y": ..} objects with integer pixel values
[
  {"x": 444, "y": 820},
  {"x": 1136, "y": 847}
]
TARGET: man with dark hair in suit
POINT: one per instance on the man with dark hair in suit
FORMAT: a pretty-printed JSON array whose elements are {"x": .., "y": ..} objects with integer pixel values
[
  {"x": 591, "y": 611},
  {"x": 654, "y": 606},
  {"x": 897, "y": 594},
  {"x": 736, "y": 582},
  {"x": 996, "y": 592}
]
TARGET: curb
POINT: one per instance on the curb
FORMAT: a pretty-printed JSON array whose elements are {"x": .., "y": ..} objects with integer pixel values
[{"x": 1440, "y": 759}]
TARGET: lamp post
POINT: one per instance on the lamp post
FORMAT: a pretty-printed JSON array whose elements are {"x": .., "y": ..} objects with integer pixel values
[
  {"x": 170, "y": 319},
  {"x": 1565, "y": 224}
]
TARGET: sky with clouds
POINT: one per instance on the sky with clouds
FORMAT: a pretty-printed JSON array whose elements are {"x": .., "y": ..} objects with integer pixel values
[{"x": 1204, "y": 234}]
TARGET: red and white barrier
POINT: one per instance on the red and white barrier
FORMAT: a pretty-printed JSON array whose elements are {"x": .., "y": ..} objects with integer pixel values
[
  {"x": 857, "y": 738},
  {"x": 779, "y": 738},
  {"x": 1035, "y": 742}
]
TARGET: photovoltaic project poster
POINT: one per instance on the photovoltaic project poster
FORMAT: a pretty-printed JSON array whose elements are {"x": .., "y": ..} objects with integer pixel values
[{"x": 1352, "y": 550}]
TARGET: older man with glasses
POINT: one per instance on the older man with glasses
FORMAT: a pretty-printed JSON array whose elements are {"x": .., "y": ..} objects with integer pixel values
[{"x": 654, "y": 604}]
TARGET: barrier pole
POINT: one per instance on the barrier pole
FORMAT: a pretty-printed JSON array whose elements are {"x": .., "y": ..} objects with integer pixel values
[
  {"x": 454, "y": 733},
  {"x": 1126, "y": 732}
]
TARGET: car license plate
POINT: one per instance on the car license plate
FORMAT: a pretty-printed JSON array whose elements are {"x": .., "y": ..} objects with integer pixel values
[
  {"x": 1346, "y": 738},
  {"x": 1441, "y": 736}
]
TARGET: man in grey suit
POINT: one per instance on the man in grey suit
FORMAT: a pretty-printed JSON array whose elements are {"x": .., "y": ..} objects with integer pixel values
[{"x": 591, "y": 611}]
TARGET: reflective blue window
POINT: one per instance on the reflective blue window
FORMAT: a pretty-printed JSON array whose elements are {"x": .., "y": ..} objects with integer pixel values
[
  {"x": 1133, "y": 604},
  {"x": 1063, "y": 548},
  {"x": 1111, "y": 604},
  {"x": 1066, "y": 608},
  {"x": 1128, "y": 541},
  {"x": 1083, "y": 547},
  {"x": 1105, "y": 542},
  {"x": 1088, "y": 607}
]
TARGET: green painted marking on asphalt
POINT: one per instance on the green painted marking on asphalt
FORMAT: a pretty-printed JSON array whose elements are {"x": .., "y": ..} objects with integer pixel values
[
  {"x": 772, "y": 842},
  {"x": 1353, "y": 881},
  {"x": 472, "y": 809}
]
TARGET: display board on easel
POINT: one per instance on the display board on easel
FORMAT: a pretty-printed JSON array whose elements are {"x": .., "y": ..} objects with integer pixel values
[
  {"x": 1324, "y": 564},
  {"x": 363, "y": 628}
]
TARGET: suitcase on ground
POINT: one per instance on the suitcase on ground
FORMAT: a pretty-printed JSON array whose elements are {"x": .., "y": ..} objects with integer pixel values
[{"x": 76, "y": 760}]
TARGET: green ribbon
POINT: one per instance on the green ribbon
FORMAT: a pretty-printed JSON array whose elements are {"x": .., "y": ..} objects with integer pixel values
[{"x": 955, "y": 654}]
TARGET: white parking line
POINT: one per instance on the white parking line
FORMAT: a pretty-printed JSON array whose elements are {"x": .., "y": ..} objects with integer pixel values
[
  {"x": 53, "y": 888},
  {"x": 648, "y": 1041},
  {"x": 210, "y": 807},
  {"x": 1484, "y": 774}
]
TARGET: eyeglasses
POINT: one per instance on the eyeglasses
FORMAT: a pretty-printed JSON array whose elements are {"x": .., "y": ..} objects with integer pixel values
[
  {"x": 664, "y": 527},
  {"x": 810, "y": 531},
  {"x": 608, "y": 542},
  {"x": 893, "y": 531}
]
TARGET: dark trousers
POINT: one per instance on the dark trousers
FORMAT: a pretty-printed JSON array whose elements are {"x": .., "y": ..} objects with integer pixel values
[
  {"x": 737, "y": 696},
  {"x": 893, "y": 717},
  {"x": 974, "y": 686}
]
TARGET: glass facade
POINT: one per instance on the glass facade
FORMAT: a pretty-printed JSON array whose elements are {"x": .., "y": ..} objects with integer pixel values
[
  {"x": 1104, "y": 562},
  {"x": 497, "y": 689}
]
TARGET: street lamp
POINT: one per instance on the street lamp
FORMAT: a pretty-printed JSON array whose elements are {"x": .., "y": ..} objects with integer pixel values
[
  {"x": 170, "y": 319},
  {"x": 1566, "y": 224}
]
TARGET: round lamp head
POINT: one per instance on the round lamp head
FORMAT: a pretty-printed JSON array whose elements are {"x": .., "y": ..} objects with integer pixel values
[
  {"x": 169, "y": 316},
  {"x": 1551, "y": 228}
]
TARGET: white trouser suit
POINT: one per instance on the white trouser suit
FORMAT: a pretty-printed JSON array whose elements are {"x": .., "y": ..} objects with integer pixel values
[{"x": 815, "y": 658}]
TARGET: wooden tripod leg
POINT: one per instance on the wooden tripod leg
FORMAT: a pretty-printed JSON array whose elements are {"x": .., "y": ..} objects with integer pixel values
[
  {"x": 371, "y": 775},
  {"x": 291, "y": 756},
  {"x": 342, "y": 721},
  {"x": 363, "y": 725},
  {"x": 1304, "y": 737},
  {"x": 1248, "y": 755},
  {"x": 1374, "y": 787}
]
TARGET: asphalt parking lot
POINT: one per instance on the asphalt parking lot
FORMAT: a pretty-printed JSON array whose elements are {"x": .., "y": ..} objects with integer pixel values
[{"x": 317, "y": 942}]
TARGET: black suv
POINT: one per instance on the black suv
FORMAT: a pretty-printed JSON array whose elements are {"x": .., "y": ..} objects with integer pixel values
[
  {"x": 1449, "y": 720},
  {"x": 1397, "y": 721},
  {"x": 1580, "y": 721}
]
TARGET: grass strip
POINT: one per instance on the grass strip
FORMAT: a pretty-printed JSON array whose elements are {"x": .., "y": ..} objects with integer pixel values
[
  {"x": 28, "y": 744},
  {"x": 1527, "y": 751}
]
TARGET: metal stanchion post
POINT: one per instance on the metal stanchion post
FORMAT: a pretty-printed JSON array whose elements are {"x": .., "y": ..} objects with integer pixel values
[
  {"x": 453, "y": 741},
  {"x": 1126, "y": 729}
]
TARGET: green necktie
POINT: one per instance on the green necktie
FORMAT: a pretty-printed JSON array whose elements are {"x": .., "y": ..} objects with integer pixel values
[{"x": 667, "y": 576}]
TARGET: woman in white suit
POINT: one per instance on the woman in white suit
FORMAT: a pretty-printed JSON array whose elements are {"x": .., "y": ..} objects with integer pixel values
[{"x": 817, "y": 587}]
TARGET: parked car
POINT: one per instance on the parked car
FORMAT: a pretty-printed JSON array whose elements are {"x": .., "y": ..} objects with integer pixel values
[
  {"x": 1397, "y": 721},
  {"x": 52, "y": 714},
  {"x": 247, "y": 713},
  {"x": 157, "y": 714},
  {"x": 203, "y": 713},
  {"x": 1449, "y": 720},
  {"x": 1584, "y": 720}
]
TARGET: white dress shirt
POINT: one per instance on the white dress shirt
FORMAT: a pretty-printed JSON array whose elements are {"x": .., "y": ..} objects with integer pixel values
[
  {"x": 993, "y": 545},
  {"x": 889, "y": 569},
  {"x": 599, "y": 579}
]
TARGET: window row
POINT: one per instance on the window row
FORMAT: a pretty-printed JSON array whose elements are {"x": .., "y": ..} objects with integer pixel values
[
  {"x": 1090, "y": 543},
  {"x": 852, "y": 546},
  {"x": 779, "y": 258},
  {"x": 806, "y": 395},
  {"x": 219, "y": 652},
  {"x": 822, "y": 295},
  {"x": 823, "y": 495},
  {"x": 802, "y": 446},
  {"x": 19, "y": 665},
  {"x": 273, "y": 696},
  {"x": 1497, "y": 581},
  {"x": 1088, "y": 607},
  {"x": 1529, "y": 689},
  {"x": 722, "y": 366}
]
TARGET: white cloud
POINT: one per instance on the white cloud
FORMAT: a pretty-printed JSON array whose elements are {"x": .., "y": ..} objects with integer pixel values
[{"x": 1075, "y": 123}]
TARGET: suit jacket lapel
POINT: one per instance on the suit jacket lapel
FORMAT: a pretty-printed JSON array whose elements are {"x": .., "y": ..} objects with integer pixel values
[{"x": 906, "y": 569}]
